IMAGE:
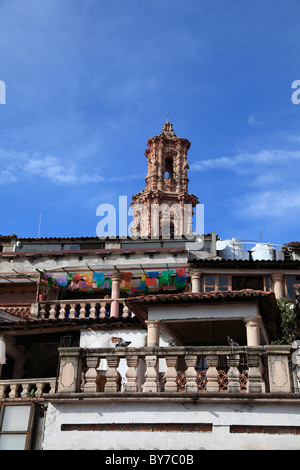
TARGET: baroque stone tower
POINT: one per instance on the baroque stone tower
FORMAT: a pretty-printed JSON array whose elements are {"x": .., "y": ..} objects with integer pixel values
[{"x": 164, "y": 209}]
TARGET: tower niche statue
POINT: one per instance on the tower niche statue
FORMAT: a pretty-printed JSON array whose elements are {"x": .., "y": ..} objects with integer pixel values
[{"x": 164, "y": 209}]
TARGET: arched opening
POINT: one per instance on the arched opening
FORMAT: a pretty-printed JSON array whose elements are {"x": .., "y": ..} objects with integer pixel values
[{"x": 169, "y": 168}]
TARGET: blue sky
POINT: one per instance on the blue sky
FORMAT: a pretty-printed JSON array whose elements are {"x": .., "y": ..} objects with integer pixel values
[{"x": 88, "y": 82}]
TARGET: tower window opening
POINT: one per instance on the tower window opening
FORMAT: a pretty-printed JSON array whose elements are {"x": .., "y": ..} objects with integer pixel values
[{"x": 168, "y": 168}]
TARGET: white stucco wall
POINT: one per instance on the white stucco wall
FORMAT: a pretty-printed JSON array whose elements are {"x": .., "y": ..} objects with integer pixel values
[
  {"x": 138, "y": 338},
  {"x": 220, "y": 415},
  {"x": 185, "y": 312},
  {"x": 102, "y": 339}
]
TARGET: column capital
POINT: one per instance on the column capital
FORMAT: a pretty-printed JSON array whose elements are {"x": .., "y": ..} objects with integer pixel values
[
  {"x": 153, "y": 323},
  {"x": 116, "y": 276},
  {"x": 253, "y": 321},
  {"x": 277, "y": 277},
  {"x": 196, "y": 274}
]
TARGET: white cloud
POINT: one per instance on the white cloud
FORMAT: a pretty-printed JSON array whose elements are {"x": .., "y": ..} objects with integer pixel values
[
  {"x": 284, "y": 204},
  {"x": 270, "y": 181},
  {"x": 19, "y": 166},
  {"x": 250, "y": 162},
  {"x": 253, "y": 121}
]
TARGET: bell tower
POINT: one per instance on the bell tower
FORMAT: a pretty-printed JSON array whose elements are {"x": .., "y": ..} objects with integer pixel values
[{"x": 165, "y": 201}]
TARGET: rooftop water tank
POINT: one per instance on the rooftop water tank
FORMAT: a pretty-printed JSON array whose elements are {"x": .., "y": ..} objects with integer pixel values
[
  {"x": 232, "y": 249},
  {"x": 262, "y": 252}
]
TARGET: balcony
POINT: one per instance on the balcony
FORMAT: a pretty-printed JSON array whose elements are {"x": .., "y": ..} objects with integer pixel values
[
  {"x": 217, "y": 370},
  {"x": 161, "y": 371}
]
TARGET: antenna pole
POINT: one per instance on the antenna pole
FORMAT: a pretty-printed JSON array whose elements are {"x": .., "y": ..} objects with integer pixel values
[{"x": 40, "y": 226}]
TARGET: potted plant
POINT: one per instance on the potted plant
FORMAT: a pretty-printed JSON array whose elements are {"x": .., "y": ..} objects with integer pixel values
[{"x": 44, "y": 288}]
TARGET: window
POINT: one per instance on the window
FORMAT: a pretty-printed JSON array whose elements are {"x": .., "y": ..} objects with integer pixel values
[
  {"x": 247, "y": 282},
  {"x": 209, "y": 283},
  {"x": 216, "y": 282},
  {"x": 290, "y": 281},
  {"x": 16, "y": 423},
  {"x": 224, "y": 282}
]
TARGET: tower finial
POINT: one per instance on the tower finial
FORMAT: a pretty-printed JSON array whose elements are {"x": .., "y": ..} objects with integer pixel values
[{"x": 168, "y": 128}]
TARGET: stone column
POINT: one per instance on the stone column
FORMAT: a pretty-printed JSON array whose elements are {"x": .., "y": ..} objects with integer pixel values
[
  {"x": 196, "y": 282},
  {"x": 115, "y": 294},
  {"x": 153, "y": 329},
  {"x": 277, "y": 279},
  {"x": 253, "y": 330}
]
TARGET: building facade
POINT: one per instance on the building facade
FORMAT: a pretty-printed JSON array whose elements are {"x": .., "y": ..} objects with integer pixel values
[{"x": 149, "y": 342}]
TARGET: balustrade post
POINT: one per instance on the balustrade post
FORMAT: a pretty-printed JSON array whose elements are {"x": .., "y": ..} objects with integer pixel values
[
  {"x": 151, "y": 375},
  {"x": 131, "y": 374},
  {"x": 102, "y": 309},
  {"x": 14, "y": 391},
  {"x": 171, "y": 374},
  {"x": 82, "y": 310},
  {"x": 62, "y": 311},
  {"x": 125, "y": 312},
  {"x": 233, "y": 373},
  {"x": 72, "y": 312},
  {"x": 25, "y": 391},
  {"x": 212, "y": 375},
  {"x": 53, "y": 308},
  {"x": 254, "y": 375},
  {"x": 191, "y": 374},
  {"x": 90, "y": 379},
  {"x": 92, "y": 310},
  {"x": 112, "y": 375},
  {"x": 42, "y": 311}
]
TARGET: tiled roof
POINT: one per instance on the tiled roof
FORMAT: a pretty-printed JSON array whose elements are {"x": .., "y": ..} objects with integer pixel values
[
  {"x": 100, "y": 251},
  {"x": 293, "y": 244},
  {"x": 246, "y": 294},
  {"x": 21, "y": 311}
]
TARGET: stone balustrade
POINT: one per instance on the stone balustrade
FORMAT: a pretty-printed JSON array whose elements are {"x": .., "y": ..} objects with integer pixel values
[
  {"x": 214, "y": 370},
  {"x": 256, "y": 370},
  {"x": 77, "y": 309},
  {"x": 27, "y": 388}
]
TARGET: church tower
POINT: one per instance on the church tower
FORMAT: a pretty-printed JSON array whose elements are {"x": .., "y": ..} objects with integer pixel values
[{"x": 164, "y": 209}]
